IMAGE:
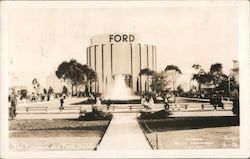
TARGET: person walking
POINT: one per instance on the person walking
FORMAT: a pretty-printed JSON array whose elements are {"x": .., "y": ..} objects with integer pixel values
[
  {"x": 108, "y": 104},
  {"x": 166, "y": 105},
  {"x": 151, "y": 103},
  {"x": 143, "y": 102},
  {"x": 61, "y": 101}
]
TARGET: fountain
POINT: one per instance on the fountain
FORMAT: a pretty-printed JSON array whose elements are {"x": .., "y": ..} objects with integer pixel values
[{"x": 120, "y": 93}]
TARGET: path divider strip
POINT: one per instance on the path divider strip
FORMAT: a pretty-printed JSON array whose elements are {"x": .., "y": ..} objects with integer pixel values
[
  {"x": 152, "y": 147},
  {"x": 98, "y": 144}
]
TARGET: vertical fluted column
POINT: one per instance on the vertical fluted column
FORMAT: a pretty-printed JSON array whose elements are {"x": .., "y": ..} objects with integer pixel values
[
  {"x": 111, "y": 52},
  {"x": 140, "y": 68},
  {"x": 131, "y": 60},
  {"x": 95, "y": 66},
  {"x": 90, "y": 60},
  {"x": 95, "y": 56},
  {"x": 102, "y": 70},
  {"x": 147, "y": 85}
]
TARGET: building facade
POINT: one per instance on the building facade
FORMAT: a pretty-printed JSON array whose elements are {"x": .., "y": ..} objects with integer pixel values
[{"x": 115, "y": 54}]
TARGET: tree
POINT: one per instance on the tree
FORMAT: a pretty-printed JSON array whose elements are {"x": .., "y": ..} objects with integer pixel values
[
  {"x": 35, "y": 83},
  {"x": 160, "y": 84},
  {"x": 202, "y": 77},
  {"x": 13, "y": 102},
  {"x": 197, "y": 67},
  {"x": 36, "y": 86},
  {"x": 216, "y": 68},
  {"x": 65, "y": 90},
  {"x": 174, "y": 73},
  {"x": 180, "y": 90},
  {"x": 216, "y": 72},
  {"x": 23, "y": 93},
  {"x": 147, "y": 72},
  {"x": 71, "y": 72},
  {"x": 75, "y": 74},
  {"x": 233, "y": 87},
  {"x": 50, "y": 90},
  {"x": 91, "y": 77},
  {"x": 223, "y": 86}
]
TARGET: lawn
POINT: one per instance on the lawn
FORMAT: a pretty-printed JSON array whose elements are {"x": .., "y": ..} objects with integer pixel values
[
  {"x": 205, "y": 138},
  {"x": 192, "y": 132},
  {"x": 58, "y": 135}
]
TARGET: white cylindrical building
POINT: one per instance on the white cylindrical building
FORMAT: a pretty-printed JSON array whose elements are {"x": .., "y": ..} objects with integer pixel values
[{"x": 120, "y": 54}]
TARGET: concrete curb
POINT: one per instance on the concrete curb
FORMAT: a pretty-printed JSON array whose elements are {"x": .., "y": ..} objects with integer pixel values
[
  {"x": 97, "y": 146},
  {"x": 152, "y": 147}
]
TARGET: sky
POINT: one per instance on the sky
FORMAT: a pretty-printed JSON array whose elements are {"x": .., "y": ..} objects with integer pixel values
[{"x": 39, "y": 39}]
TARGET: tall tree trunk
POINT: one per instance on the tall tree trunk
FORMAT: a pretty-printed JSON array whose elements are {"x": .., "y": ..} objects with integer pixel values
[
  {"x": 90, "y": 85},
  {"x": 148, "y": 83},
  {"x": 76, "y": 90},
  {"x": 140, "y": 86},
  {"x": 86, "y": 88},
  {"x": 173, "y": 87},
  {"x": 72, "y": 90}
]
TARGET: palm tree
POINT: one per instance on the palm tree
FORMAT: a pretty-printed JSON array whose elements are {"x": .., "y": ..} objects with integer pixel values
[
  {"x": 202, "y": 78},
  {"x": 197, "y": 67},
  {"x": 174, "y": 72},
  {"x": 199, "y": 76},
  {"x": 147, "y": 72}
]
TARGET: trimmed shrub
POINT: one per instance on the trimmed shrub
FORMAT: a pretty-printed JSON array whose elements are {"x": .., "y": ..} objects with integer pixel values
[
  {"x": 236, "y": 109},
  {"x": 155, "y": 115},
  {"x": 96, "y": 115}
]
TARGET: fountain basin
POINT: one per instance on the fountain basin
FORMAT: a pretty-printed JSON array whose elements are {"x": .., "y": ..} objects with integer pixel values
[{"x": 117, "y": 101}]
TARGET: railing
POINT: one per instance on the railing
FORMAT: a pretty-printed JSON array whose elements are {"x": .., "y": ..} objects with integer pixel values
[
  {"x": 126, "y": 108},
  {"x": 36, "y": 108}
]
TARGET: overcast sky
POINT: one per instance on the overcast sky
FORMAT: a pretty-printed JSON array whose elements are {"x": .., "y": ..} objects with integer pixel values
[{"x": 40, "y": 39}]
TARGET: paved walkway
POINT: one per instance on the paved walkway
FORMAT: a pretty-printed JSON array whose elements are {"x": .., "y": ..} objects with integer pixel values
[{"x": 124, "y": 133}]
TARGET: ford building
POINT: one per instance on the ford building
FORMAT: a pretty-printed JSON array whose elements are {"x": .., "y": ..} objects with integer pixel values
[{"x": 116, "y": 54}]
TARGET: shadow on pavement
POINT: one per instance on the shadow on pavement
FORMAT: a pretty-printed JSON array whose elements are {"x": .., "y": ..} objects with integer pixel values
[{"x": 185, "y": 123}]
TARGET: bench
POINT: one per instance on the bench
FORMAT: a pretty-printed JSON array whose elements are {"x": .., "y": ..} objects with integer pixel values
[
  {"x": 70, "y": 108},
  {"x": 36, "y": 108},
  {"x": 185, "y": 106},
  {"x": 113, "y": 107}
]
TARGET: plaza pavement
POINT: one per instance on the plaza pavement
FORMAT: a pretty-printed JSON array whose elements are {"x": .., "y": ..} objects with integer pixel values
[
  {"x": 72, "y": 111},
  {"x": 53, "y": 102},
  {"x": 124, "y": 133},
  {"x": 75, "y": 115}
]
